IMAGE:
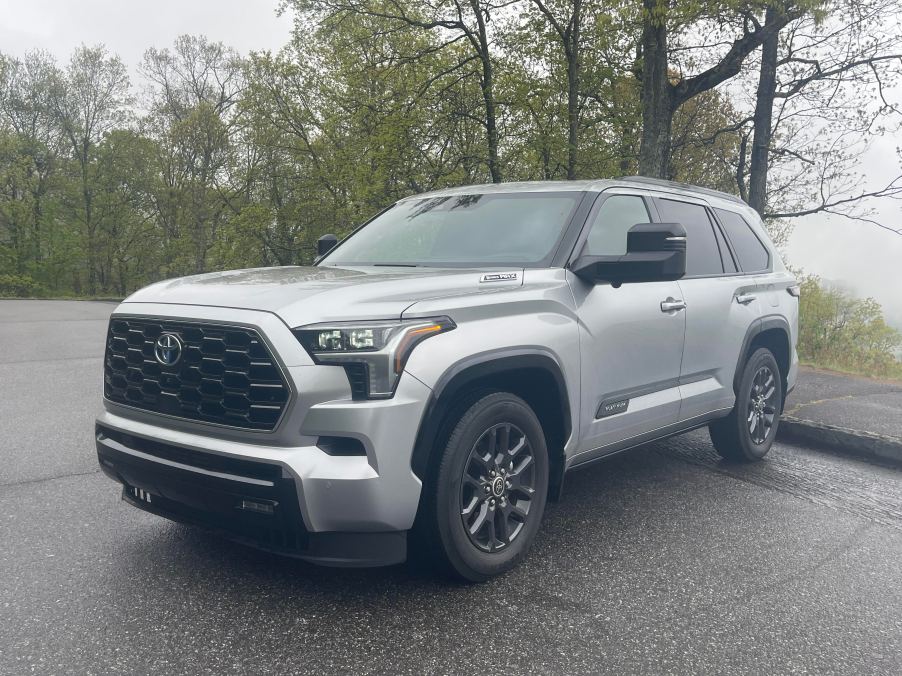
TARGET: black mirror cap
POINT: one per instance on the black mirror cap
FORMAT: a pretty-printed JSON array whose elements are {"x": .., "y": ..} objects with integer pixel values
[
  {"x": 656, "y": 252},
  {"x": 646, "y": 237},
  {"x": 325, "y": 244}
]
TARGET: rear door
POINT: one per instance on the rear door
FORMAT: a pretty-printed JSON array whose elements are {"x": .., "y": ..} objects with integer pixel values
[
  {"x": 721, "y": 305},
  {"x": 752, "y": 256},
  {"x": 630, "y": 347}
]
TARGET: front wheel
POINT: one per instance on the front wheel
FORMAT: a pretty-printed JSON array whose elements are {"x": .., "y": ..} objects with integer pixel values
[
  {"x": 748, "y": 432},
  {"x": 489, "y": 493}
]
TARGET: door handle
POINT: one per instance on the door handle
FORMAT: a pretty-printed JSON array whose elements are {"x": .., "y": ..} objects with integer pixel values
[
  {"x": 745, "y": 298},
  {"x": 672, "y": 305}
]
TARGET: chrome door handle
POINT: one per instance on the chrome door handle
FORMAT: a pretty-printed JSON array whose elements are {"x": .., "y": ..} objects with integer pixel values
[
  {"x": 745, "y": 298},
  {"x": 672, "y": 305}
]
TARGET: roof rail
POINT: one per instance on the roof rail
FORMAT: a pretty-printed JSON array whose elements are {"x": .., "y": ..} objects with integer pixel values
[{"x": 682, "y": 186}]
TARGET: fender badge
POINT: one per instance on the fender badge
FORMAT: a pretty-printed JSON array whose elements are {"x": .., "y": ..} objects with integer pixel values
[{"x": 499, "y": 277}]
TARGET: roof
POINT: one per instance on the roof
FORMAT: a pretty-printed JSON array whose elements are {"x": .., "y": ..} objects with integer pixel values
[
  {"x": 580, "y": 186},
  {"x": 676, "y": 185}
]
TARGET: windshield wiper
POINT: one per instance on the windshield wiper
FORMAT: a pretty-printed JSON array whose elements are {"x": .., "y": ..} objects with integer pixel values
[{"x": 396, "y": 265}]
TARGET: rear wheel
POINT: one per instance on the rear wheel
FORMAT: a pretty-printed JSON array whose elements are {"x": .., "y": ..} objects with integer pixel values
[
  {"x": 748, "y": 432},
  {"x": 489, "y": 492}
]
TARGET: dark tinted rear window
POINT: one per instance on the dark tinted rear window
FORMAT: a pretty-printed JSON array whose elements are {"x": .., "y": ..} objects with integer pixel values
[
  {"x": 752, "y": 254},
  {"x": 702, "y": 254}
]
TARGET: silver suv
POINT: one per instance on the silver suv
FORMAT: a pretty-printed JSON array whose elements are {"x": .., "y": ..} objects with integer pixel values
[{"x": 435, "y": 375}]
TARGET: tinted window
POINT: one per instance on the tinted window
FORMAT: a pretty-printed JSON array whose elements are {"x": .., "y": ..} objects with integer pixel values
[
  {"x": 702, "y": 254},
  {"x": 751, "y": 252},
  {"x": 478, "y": 229},
  {"x": 615, "y": 217}
]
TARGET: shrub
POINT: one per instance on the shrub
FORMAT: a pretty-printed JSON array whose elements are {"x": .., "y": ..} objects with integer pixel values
[
  {"x": 839, "y": 331},
  {"x": 18, "y": 285}
]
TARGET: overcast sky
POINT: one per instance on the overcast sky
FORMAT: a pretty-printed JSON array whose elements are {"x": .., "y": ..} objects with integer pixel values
[{"x": 861, "y": 256}]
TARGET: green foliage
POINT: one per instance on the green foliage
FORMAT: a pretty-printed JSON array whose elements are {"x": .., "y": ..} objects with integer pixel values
[
  {"x": 20, "y": 286},
  {"x": 238, "y": 161},
  {"x": 845, "y": 333}
]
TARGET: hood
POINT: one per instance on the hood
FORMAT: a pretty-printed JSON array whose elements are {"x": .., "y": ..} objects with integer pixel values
[{"x": 306, "y": 295}]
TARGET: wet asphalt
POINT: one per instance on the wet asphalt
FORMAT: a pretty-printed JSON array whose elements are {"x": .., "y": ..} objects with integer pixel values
[
  {"x": 850, "y": 402},
  {"x": 662, "y": 560}
]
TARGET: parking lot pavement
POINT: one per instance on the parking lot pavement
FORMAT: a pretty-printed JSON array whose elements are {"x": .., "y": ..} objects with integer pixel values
[
  {"x": 851, "y": 402},
  {"x": 846, "y": 413},
  {"x": 662, "y": 560}
]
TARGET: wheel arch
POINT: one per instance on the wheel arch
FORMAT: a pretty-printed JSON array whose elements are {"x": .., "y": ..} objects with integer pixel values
[
  {"x": 773, "y": 333},
  {"x": 534, "y": 375}
]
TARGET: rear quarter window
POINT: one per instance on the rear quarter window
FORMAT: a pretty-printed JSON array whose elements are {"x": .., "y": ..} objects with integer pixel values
[{"x": 752, "y": 254}]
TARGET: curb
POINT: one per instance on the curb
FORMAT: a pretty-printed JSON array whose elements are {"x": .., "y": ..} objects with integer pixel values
[{"x": 840, "y": 439}]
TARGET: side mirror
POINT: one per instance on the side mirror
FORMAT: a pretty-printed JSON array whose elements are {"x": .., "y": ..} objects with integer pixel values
[
  {"x": 325, "y": 244},
  {"x": 655, "y": 252}
]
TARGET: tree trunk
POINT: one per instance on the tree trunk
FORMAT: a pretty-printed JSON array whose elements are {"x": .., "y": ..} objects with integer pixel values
[
  {"x": 573, "y": 82},
  {"x": 488, "y": 96},
  {"x": 763, "y": 120},
  {"x": 657, "y": 96}
]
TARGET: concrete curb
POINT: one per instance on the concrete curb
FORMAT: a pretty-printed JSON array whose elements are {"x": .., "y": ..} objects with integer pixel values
[{"x": 840, "y": 439}]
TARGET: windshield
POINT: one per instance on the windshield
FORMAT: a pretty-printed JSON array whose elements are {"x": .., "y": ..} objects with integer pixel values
[{"x": 518, "y": 229}]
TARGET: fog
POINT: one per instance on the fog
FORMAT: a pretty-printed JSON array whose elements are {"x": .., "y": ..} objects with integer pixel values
[{"x": 859, "y": 256}]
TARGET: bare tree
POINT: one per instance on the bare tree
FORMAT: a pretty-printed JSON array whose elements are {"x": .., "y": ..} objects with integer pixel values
[
  {"x": 820, "y": 101},
  {"x": 664, "y": 91}
]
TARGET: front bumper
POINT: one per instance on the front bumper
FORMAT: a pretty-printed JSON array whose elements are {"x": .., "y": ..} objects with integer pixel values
[
  {"x": 332, "y": 508},
  {"x": 255, "y": 503}
]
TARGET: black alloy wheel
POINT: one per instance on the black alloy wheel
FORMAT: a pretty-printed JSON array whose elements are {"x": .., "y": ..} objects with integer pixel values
[
  {"x": 485, "y": 496},
  {"x": 748, "y": 432},
  {"x": 497, "y": 488},
  {"x": 762, "y": 404}
]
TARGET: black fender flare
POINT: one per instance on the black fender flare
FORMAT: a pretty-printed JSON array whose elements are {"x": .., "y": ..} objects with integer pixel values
[
  {"x": 465, "y": 373},
  {"x": 756, "y": 328}
]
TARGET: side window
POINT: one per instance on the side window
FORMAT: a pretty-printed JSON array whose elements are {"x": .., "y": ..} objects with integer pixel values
[
  {"x": 702, "y": 253},
  {"x": 753, "y": 255},
  {"x": 617, "y": 214}
]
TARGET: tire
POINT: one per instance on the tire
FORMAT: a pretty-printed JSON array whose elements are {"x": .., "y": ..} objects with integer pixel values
[
  {"x": 747, "y": 434},
  {"x": 481, "y": 524}
]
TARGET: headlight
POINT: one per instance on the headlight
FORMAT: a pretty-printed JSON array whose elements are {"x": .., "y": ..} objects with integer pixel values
[{"x": 373, "y": 353}]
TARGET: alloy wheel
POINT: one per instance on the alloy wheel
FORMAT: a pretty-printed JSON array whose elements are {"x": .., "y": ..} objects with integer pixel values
[
  {"x": 498, "y": 487},
  {"x": 762, "y": 408}
]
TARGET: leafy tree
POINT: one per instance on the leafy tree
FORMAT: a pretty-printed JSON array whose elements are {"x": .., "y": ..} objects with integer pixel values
[
  {"x": 839, "y": 331},
  {"x": 93, "y": 101}
]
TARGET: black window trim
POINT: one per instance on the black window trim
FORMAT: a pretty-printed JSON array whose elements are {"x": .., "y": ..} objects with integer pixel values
[
  {"x": 650, "y": 198},
  {"x": 770, "y": 257},
  {"x": 723, "y": 238},
  {"x": 703, "y": 203}
]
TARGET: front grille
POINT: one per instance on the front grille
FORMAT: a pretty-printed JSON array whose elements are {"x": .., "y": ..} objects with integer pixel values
[{"x": 225, "y": 375}]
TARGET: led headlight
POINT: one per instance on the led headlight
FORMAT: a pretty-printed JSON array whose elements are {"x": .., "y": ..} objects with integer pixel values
[{"x": 373, "y": 353}]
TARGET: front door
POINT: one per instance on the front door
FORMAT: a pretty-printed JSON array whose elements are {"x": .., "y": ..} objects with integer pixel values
[{"x": 631, "y": 340}]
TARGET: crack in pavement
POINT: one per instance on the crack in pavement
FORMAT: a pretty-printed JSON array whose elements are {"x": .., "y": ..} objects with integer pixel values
[{"x": 26, "y": 482}]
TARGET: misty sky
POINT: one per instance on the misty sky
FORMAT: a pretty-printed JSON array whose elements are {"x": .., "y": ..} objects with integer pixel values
[{"x": 858, "y": 255}]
